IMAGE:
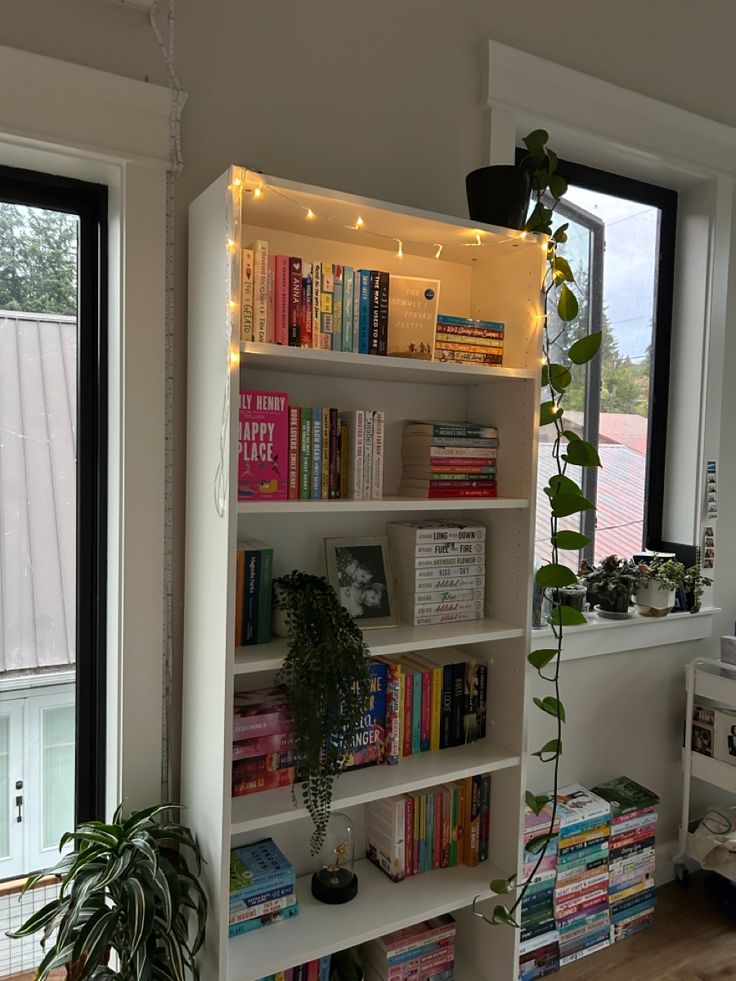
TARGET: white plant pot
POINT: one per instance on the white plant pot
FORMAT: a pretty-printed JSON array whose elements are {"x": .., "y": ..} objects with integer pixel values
[{"x": 653, "y": 600}]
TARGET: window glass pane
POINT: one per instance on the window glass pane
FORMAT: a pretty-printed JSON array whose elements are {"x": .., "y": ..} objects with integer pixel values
[
  {"x": 58, "y": 773},
  {"x": 4, "y": 785}
]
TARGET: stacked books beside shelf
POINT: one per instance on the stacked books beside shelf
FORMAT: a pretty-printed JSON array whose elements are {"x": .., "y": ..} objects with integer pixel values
[
  {"x": 448, "y": 459},
  {"x": 253, "y": 592},
  {"x": 317, "y": 970},
  {"x": 431, "y": 829},
  {"x": 581, "y": 887},
  {"x": 262, "y": 884},
  {"x": 631, "y": 891},
  {"x": 539, "y": 950},
  {"x": 264, "y": 750},
  {"x": 440, "y": 569},
  {"x": 423, "y": 951},
  {"x": 468, "y": 341}
]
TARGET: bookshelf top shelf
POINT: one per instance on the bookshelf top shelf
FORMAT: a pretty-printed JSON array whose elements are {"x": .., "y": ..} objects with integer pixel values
[{"x": 284, "y": 205}]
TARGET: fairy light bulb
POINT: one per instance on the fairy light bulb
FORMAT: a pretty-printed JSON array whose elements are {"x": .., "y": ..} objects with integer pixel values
[
  {"x": 478, "y": 240},
  {"x": 440, "y": 247},
  {"x": 258, "y": 192},
  {"x": 400, "y": 250},
  {"x": 234, "y": 357},
  {"x": 310, "y": 215},
  {"x": 359, "y": 223},
  {"x": 231, "y": 245}
]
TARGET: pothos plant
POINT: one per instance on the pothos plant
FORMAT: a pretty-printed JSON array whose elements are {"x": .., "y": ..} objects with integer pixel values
[
  {"x": 326, "y": 676},
  {"x": 565, "y": 495}
]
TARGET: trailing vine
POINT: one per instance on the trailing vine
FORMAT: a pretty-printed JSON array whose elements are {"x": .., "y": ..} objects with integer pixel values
[
  {"x": 565, "y": 495},
  {"x": 326, "y": 676}
]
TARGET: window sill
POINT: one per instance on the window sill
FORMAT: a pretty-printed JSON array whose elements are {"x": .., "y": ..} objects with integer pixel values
[{"x": 612, "y": 636}]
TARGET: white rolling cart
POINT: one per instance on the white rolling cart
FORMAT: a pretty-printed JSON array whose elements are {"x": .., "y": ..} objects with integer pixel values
[{"x": 715, "y": 681}]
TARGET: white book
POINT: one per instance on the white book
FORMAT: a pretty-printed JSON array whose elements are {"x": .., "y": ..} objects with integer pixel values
[
  {"x": 433, "y": 583},
  {"x": 474, "y": 607},
  {"x": 355, "y": 421},
  {"x": 316, "y": 303},
  {"x": 377, "y": 456},
  {"x": 430, "y": 530},
  {"x": 447, "y": 595},
  {"x": 435, "y": 562},
  {"x": 424, "y": 621},
  {"x": 368, "y": 456},
  {"x": 260, "y": 290},
  {"x": 246, "y": 287},
  {"x": 384, "y": 835},
  {"x": 433, "y": 549}
]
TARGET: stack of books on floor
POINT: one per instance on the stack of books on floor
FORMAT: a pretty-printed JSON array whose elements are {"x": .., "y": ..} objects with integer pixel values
[
  {"x": 448, "y": 460},
  {"x": 430, "y": 829},
  {"x": 263, "y": 741},
  {"x": 416, "y": 953},
  {"x": 262, "y": 884},
  {"x": 253, "y": 592},
  {"x": 317, "y": 970},
  {"x": 581, "y": 887},
  {"x": 440, "y": 569},
  {"x": 632, "y": 894},
  {"x": 539, "y": 949},
  {"x": 468, "y": 341}
]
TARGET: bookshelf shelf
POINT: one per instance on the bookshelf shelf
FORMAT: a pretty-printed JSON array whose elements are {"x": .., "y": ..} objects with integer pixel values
[
  {"x": 712, "y": 771},
  {"x": 499, "y": 281},
  {"x": 393, "y": 640},
  {"x": 273, "y": 807},
  {"x": 380, "y": 906}
]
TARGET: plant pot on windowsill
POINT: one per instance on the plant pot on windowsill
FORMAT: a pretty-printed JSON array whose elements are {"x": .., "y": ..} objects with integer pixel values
[
  {"x": 614, "y": 606},
  {"x": 499, "y": 195},
  {"x": 653, "y": 600}
]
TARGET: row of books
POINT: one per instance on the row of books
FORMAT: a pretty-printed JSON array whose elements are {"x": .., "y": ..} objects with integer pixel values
[
  {"x": 430, "y": 829},
  {"x": 467, "y": 341},
  {"x": 335, "y": 455},
  {"x": 422, "y": 952},
  {"x": 448, "y": 459},
  {"x": 262, "y": 887},
  {"x": 714, "y": 732},
  {"x": 253, "y": 592},
  {"x": 264, "y": 748},
  {"x": 425, "y": 597},
  {"x": 316, "y": 970}
]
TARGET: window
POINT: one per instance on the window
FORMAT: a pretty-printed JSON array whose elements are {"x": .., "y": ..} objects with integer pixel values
[{"x": 621, "y": 249}]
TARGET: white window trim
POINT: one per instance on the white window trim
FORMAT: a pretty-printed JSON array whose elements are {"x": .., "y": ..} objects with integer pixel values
[
  {"x": 602, "y": 125},
  {"x": 78, "y": 122}
]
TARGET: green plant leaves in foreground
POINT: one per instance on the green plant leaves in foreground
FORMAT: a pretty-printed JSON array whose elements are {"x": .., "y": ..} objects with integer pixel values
[
  {"x": 502, "y": 887},
  {"x": 536, "y": 844},
  {"x": 536, "y": 802},
  {"x": 585, "y": 349},
  {"x": 580, "y": 453},
  {"x": 564, "y": 504},
  {"x": 556, "y": 375},
  {"x": 501, "y": 915},
  {"x": 559, "y": 484},
  {"x": 548, "y": 412},
  {"x": 566, "y": 616},
  {"x": 551, "y": 706},
  {"x": 555, "y": 574},
  {"x": 550, "y": 751},
  {"x": 570, "y": 540},
  {"x": 567, "y": 306},
  {"x": 541, "y": 658}
]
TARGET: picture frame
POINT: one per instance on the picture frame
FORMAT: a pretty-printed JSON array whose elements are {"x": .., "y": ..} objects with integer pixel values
[{"x": 361, "y": 573}]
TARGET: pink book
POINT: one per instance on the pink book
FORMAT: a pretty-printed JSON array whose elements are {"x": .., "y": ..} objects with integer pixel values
[
  {"x": 263, "y": 469},
  {"x": 261, "y": 712},
  {"x": 270, "y": 302},
  {"x": 281, "y": 300},
  {"x": 246, "y": 749}
]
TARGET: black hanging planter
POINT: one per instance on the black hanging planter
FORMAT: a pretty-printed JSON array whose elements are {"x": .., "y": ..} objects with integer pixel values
[{"x": 499, "y": 195}]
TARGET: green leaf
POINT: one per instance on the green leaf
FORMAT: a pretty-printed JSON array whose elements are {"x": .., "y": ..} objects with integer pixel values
[
  {"x": 560, "y": 484},
  {"x": 570, "y": 435},
  {"x": 556, "y": 375},
  {"x": 502, "y": 887},
  {"x": 560, "y": 234},
  {"x": 580, "y": 453},
  {"x": 536, "y": 139},
  {"x": 538, "y": 842},
  {"x": 571, "y": 540},
  {"x": 552, "y": 748},
  {"x": 555, "y": 574},
  {"x": 557, "y": 186},
  {"x": 562, "y": 266},
  {"x": 536, "y": 803},
  {"x": 565, "y": 504},
  {"x": 566, "y": 616},
  {"x": 586, "y": 348},
  {"x": 541, "y": 658},
  {"x": 501, "y": 916},
  {"x": 567, "y": 308},
  {"x": 548, "y": 412},
  {"x": 37, "y": 921},
  {"x": 93, "y": 941},
  {"x": 552, "y": 161},
  {"x": 551, "y": 706}
]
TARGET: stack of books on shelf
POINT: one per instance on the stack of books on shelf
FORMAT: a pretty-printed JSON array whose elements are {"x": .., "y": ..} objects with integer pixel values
[
  {"x": 253, "y": 592},
  {"x": 416, "y": 953},
  {"x": 317, "y": 970},
  {"x": 539, "y": 950},
  {"x": 430, "y": 829},
  {"x": 448, "y": 460},
  {"x": 581, "y": 887},
  {"x": 631, "y": 889},
  {"x": 469, "y": 341},
  {"x": 262, "y": 884},
  {"x": 263, "y": 741},
  {"x": 440, "y": 569}
]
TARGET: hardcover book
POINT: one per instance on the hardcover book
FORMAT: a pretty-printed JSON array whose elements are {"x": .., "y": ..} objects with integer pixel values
[
  {"x": 370, "y": 738},
  {"x": 263, "y": 446},
  {"x": 412, "y": 314}
]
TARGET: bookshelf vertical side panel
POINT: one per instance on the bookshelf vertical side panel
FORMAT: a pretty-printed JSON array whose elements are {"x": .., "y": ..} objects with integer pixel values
[{"x": 210, "y": 560}]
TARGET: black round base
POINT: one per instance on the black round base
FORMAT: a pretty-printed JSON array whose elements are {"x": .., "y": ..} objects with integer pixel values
[{"x": 334, "y": 895}]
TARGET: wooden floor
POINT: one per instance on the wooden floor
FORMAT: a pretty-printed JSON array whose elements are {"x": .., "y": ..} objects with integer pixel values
[{"x": 691, "y": 940}]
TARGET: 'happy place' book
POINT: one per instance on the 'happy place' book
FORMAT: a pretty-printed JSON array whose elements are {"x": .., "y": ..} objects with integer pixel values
[{"x": 263, "y": 466}]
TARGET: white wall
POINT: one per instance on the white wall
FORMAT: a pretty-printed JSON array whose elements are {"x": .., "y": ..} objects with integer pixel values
[{"x": 385, "y": 99}]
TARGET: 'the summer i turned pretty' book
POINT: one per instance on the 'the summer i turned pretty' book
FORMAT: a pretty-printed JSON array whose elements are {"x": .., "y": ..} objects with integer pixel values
[{"x": 263, "y": 469}]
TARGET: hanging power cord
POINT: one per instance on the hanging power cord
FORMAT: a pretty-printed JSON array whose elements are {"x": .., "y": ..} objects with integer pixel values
[{"x": 176, "y": 163}]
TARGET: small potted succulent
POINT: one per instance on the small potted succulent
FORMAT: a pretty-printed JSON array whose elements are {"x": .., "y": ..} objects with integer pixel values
[
  {"x": 693, "y": 585},
  {"x": 657, "y": 583},
  {"x": 611, "y": 585}
]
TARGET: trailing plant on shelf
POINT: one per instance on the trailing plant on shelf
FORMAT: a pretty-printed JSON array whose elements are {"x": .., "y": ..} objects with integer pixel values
[
  {"x": 326, "y": 676},
  {"x": 565, "y": 495},
  {"x": 612, "y": 583},
  {"x": 130, "y": 888},
  {"x": 694, "y": 586}
]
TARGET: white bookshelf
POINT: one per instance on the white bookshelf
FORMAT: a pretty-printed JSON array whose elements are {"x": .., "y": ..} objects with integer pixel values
[{"x": 498, "y": 281}]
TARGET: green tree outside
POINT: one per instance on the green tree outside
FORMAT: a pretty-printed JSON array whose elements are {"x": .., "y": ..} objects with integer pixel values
[{"x": 38, "y": 260}]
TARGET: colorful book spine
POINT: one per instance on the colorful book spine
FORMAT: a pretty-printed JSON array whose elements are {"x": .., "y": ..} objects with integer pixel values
[
  {"x": 356, "y": 450},
  {"x": 383, "y": 291},
  {"x": 375, "y": 312},
  {"x": 257, "y": 746},
  {"x": 270, "y": 299},
  {"x": 346, "y": 332},
  {"x": 325, "y": 489},
  {"x": 294, "y": 432},
  {"x": 258, "y": 898},
  {"x": 305, "y": 315},
  {"x": 364, "y": 313},
  {"x": 242, "y": 915},
  {"x": 239, "y": 595},
  {"x": 334, "y": 482},
  {"x": 316, "y": 304},
  {"x": 326, "y": 308},
  {"x": 246, "y": 288},
  {"x": 305, "y": 454},
  {"x": 281, "y": 301},
  {"x": 295, "y": 300},
  {"x": 377, "y": 456},
  {"x": 284, "y": 914},
  {"x": 368, "y": 455},
  {"x": 260, "y": 291},
  {"x": 252, "y": 579},
  {"x": 356, "y": 311},
  {"x": 392, "y": 745},
  {"x": 255, "y": 783},
  {"x": 316, "y": 477},
  {"x": 337, "y": 307}
]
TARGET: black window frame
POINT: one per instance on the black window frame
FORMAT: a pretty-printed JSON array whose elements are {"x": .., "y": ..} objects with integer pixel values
[
  {"x": 665, "y": 199},
  {"x": 89, "y": 202}
]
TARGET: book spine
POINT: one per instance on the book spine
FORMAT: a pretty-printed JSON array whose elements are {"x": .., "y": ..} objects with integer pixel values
[
  {"x": 324, "y": 967},
  {"x": 436, "y": 710},
  {"x": 475, "y": 801},
  {"x": 491, "y": 344},
  {"x": 260, "y": 291},
  {"x": 383, "y": 290},
  {"x": 305, "y": 313},
  {"x": 268, "y": 781},
  {"x": 270, "y": 299},
  {"x": 446, "y": 727},
  {"x": 433, "y": 493},
  {"x": 293, "y": 492},
  {"x": 347, "y": 308},
  {"x": 357, "y": 450},
  {"x": 464, "y": 324},
  {"x": 356, "y": 311},
  {"x": 326, "y": 294},
  {"x": 461, "y": 430},
  {"x": 367, "y": 454},
  {"x": 246, "y": 285},
  {"x": 485, "y": 815},
  {"x": 316, "y": 455},
  {"x": 416, "y": 713},
  {"x": 409, "y": 836},
  {"x": 446, "y": 826},
  {"x": 375, "y": 312},
  {"x": 458, "y": 700},
  {"x": 426, "y": 718},
  {"x": 334, "y": 473},
  {"x": 424, "y": 566},
  {"x": 256, "y": 746},
  {"x": 392, "y": 746},
  {"x": 343, "y": 455},
  {"x": 461, "y": 821},
  {"x": 377, "y": 456},
  {"x": 249, "y": 898},
  {"x": 265, "y": 596},
  {"x": 482, "y": 698},
  {"x": 252, "y": 913},
  {"x": 295, "y": 299},
  {"x": 453, "y": 825},
  {"x": 406, "y": 749},
  {"x": 435, "y": 596},
  {"x": 364, "y": 315},
  {"x": 239, "y": 595},
  {"x": 271, "y": 724},
  {"x": 252, "y": 577},
  {"x": 282, "y": 914},
  {"x": 316, "y": 304},
  {"x": 337, "y": 309},
  {"x": 438, "y": 825},
  {"x": 281, "y": 300},
  {"x": 417, "y": 832},
  {"x": 305, "y": 452}
]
